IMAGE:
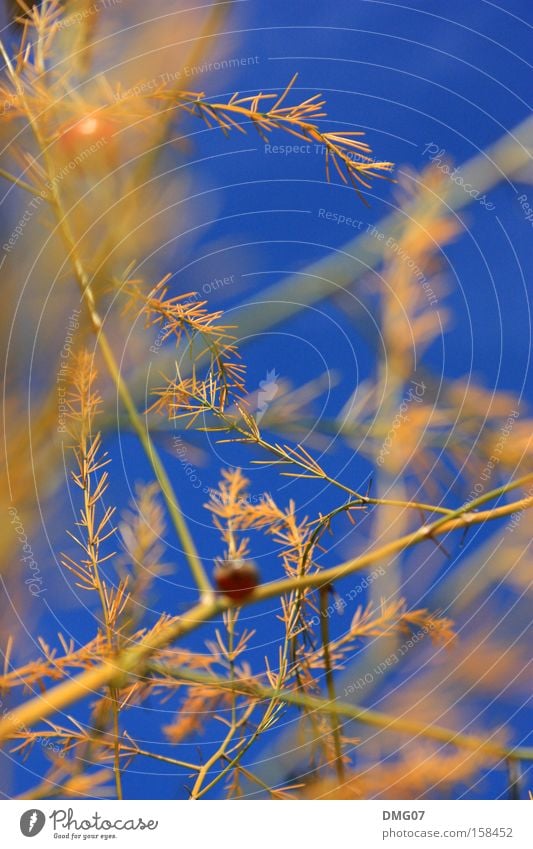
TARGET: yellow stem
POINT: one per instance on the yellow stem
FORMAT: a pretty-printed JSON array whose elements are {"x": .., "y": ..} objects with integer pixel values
[
  {"x": 134, "y": 659},
  {"x": 189, "y": 548}
]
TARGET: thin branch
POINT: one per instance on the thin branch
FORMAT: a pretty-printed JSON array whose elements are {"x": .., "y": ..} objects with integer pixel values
[
  {"x": 330, "y": 683},
  {"x": 377, "y": 719},
  {"x": 84, "y": 282},
  {"x": 133, "y": 660}
]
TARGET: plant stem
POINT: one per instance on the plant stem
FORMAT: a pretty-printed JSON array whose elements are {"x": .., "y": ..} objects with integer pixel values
[
  {"x": 82, "y": 277},
  {"x": 134, "y": 659},
  {"x": 27, "y": 187},
  {"x": 341, "y": 269},
  {"x": 197, "y": 792},
  {"x": 284, "y": 456},
  {"x": 330, "y": 684},
  {"x": 367, "y": 716},
  {"x": 173, "y": 505}
]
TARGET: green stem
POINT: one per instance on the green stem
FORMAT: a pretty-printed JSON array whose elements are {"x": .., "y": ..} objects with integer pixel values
[
  {"x": 173, "y": 505},
  {"x": 330, "y": 683},
  {"x": 377, "y": 719}
]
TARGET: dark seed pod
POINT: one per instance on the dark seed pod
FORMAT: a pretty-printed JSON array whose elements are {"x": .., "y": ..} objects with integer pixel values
[{"x": 236, "y": 578}]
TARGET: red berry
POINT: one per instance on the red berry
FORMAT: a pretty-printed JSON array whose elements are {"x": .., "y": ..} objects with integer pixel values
[
  {"x": 237, "y": 579},
  {"x": 91, "y": 137}
]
